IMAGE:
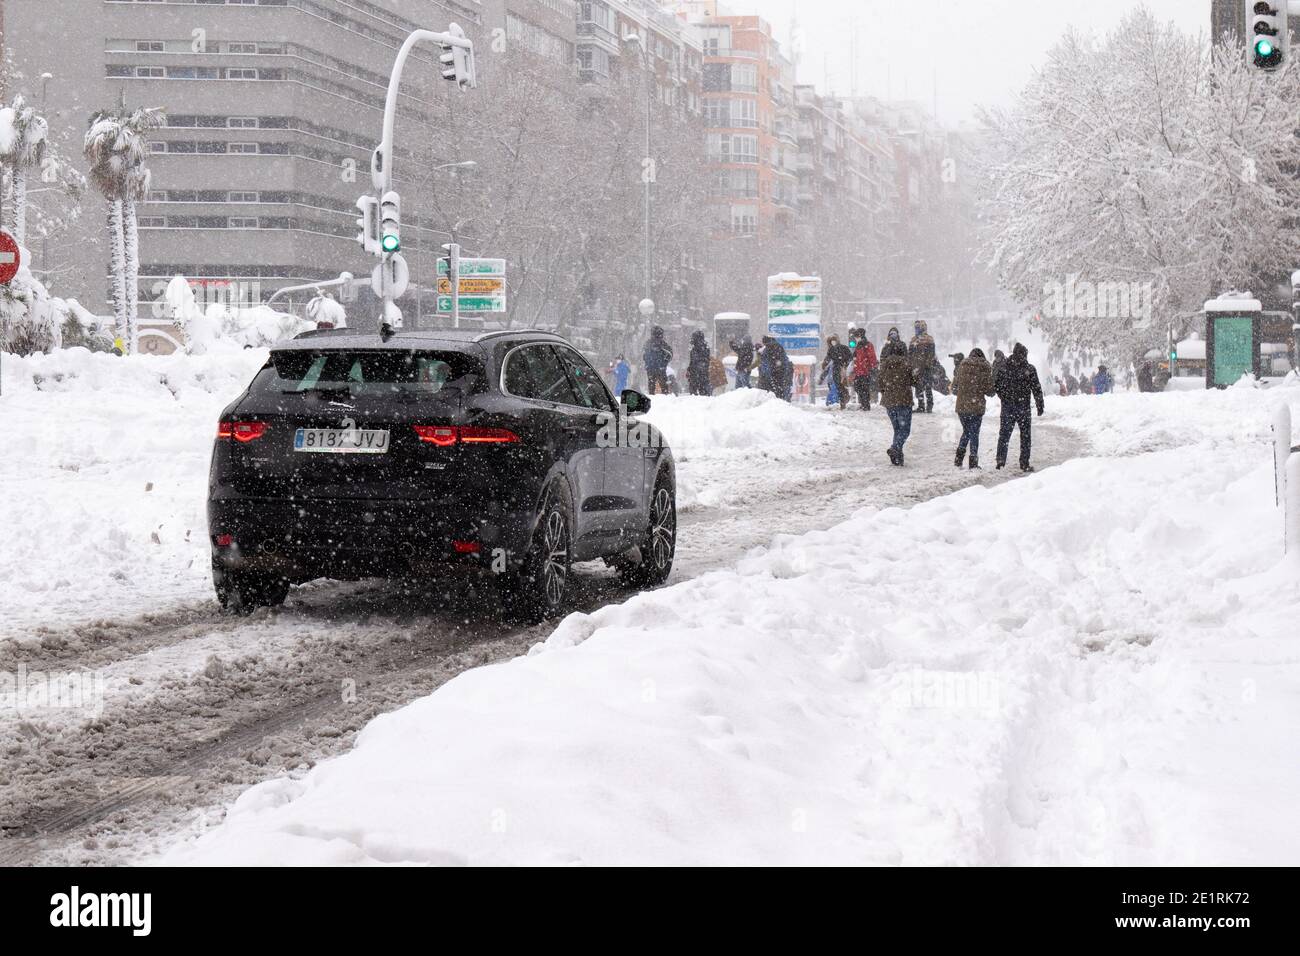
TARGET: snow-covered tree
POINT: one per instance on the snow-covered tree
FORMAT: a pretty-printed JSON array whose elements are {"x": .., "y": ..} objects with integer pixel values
[
  {"x": 23, "y": 134},
  {"x": 116, "y": 147},
  {"x": 1144, "y": 163}
]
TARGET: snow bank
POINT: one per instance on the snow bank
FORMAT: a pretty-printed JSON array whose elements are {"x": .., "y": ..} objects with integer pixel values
[
  {"x": 711, "y": 438},
  {"x": 1130, "y": 423},
  {"x": 105, "y": 480},
  {"x": 1095, "y": 665}
]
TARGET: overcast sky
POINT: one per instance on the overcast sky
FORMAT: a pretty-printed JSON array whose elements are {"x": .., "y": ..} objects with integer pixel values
[{"x": 986, "y": 50}]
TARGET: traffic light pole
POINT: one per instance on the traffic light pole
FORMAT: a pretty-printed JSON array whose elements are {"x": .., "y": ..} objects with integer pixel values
[{"x": 381, "y": 166}]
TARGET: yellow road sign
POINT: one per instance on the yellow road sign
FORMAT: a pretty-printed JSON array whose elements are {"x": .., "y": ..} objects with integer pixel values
[{"x": 470, "y": 286}]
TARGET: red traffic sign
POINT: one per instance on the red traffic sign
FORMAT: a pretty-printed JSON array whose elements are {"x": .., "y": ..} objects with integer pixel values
[{"x": 10, "y": 258}]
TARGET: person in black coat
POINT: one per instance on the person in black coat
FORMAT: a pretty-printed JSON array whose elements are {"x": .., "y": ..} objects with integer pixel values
[
  {"x": 657, "y": 356},
  {"x": 835, "y": 366},
  {"x": 697, "y": 372},
  {"x": 1016, "y": 383},
  {"x": 780, "y": 367},
  {"x": 744, "y": 349}
]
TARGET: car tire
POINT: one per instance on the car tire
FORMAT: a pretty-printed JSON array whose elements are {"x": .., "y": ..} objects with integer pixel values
[
  {"x": 658, "y": 549},
  {"x": 242, "y": 592},
  {"x": 539, "y": 590}
]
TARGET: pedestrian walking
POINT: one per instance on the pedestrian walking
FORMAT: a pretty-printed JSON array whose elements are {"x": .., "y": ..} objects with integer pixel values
[
  {"x": 1016, "y": 385},
  {"x": 896, "y": 394},
  {"x": 697, "y": 371},
  {"x": 1103, "y": 381},
  {"x": 972, "y": 382},
  {"x": 744, "y": 349},
  {"x": 780, "y": 367},
  {"x": 999, "y": 360},
  {"x": 835, "y": 367},
  {"x": 865, "y": 364},
  {"x": 620, "y": 372},
  {"x": 658, "y": 354},
  {"x": 921, "y": 353}
]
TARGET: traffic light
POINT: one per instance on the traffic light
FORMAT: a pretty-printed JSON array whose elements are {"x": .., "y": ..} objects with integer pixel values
[
  {"x": 1173, "y": 355},
  {"x": 368, "y": 237},
  {"x": 1267, "y": 33},
  {"x": 458, "y": 61},
  {"x": 390, "y": 229}
]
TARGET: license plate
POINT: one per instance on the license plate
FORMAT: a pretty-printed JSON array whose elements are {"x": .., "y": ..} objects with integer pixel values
[{"x": 342, "y": 441}]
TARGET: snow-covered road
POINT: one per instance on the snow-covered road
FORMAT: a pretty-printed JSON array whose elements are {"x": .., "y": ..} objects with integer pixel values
[{"x": 196, "y": 706}]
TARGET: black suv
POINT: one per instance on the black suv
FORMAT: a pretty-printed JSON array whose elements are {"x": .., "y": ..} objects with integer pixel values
[{"x": 422, "y": 453}]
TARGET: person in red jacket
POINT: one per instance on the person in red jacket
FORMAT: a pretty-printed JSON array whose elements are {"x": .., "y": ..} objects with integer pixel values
[{"x": 864, "y": 365}]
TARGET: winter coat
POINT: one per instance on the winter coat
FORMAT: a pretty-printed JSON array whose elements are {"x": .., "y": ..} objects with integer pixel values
[
  {"x": 839, "y": 356},
  {"x": 921, "y": 352},
  {"x": 622, "y": 371},
  {"x": 864, "y": 360},
  {"x": 895, "y": 377},
  {"x": 658, "y": 353},
  {"x": 999, "y": 360},
  {"x": 972, "y": 381},
  {"x": 1018, "y": 382},
  {"x": 744, "y": 350},
  {"x": 1102, "y": 383},
  {"x": 697, "y": 372},
  {"x": 717, "y": 373},
  {"x": 778, "y": 361}
]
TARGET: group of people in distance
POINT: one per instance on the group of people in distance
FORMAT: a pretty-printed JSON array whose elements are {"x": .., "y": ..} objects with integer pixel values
[{"x": 901, "y": 374}]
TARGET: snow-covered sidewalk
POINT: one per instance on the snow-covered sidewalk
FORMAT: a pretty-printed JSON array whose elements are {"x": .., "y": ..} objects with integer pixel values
[{"x": 1096, "y": 664}]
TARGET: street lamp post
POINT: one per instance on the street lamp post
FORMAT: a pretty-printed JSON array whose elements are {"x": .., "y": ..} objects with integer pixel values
[{"x": 647, "y": 176}]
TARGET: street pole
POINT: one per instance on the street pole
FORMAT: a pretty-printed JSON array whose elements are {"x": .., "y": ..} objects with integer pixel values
[
  {"x": 649, "y": 90},
  {"x": 381, "y": 166}
]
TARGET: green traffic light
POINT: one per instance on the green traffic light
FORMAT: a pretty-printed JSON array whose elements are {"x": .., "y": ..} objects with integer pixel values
[
  {"x": 391, "y": 242},
  {"x": 1264, "y": 47}
]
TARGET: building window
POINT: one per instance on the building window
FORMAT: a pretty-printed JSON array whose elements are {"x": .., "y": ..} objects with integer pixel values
[
  {"x": 241, "y": 197},
  {"x": 157, "y": 146},
  {"x": 149, "y": 46},
  {"x": 744, "y": 114},
  {"x": 241, "y": 122},
  {"x": 151, "y": 222},
  {"x": 242, "y": 148},
  {"x": 156, "y": 195},
  {"x": 150, "y": 72},
  {"x": 744, "y": 77},
  {"x": 241, "y": 47},
  {"x": 243, "y": 222},
  {"x": 241, "y": 74}
]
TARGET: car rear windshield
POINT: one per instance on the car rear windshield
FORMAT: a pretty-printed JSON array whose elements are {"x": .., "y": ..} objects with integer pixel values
[{"x": 371, "y": 373}]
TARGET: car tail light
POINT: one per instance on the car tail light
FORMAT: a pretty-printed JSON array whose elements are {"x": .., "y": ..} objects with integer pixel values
[
  {"x": 487, "y": 436},
  {"x": 466, "y": 547},
  {"x": 225, "y": 540},
  {"x": 241, "y": 431},
  {"x": 440, "y": 435},
  {"x": 445, "y": 435}
]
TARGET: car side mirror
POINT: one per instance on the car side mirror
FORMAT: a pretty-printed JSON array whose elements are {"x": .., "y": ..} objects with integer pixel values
[{"x": 635, "y": 402}]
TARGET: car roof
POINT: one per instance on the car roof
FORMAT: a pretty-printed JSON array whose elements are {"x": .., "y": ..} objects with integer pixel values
[{"x": 415, "y": 339}]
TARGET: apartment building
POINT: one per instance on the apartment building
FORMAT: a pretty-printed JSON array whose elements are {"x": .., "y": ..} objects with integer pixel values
[
  {"x": 273, "y": 108},
  {"x": 749, "y": 122}
]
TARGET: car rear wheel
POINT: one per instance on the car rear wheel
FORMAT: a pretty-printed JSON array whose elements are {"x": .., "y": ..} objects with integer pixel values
[
  {"x": 539, "y": 590},
  {"x": 658, "y": 550},
  {"x": 242, "y": 592}
]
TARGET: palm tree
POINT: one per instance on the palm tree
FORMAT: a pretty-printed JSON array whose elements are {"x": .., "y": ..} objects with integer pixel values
[
  {"x": 116, "y": 149},
  {"x": 22, "y": 149}
]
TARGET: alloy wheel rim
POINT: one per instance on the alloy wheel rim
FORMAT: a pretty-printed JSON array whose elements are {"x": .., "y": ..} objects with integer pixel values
[
  {"x": 663, "y": 529},
  {"x": 555, "y": 568}
]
